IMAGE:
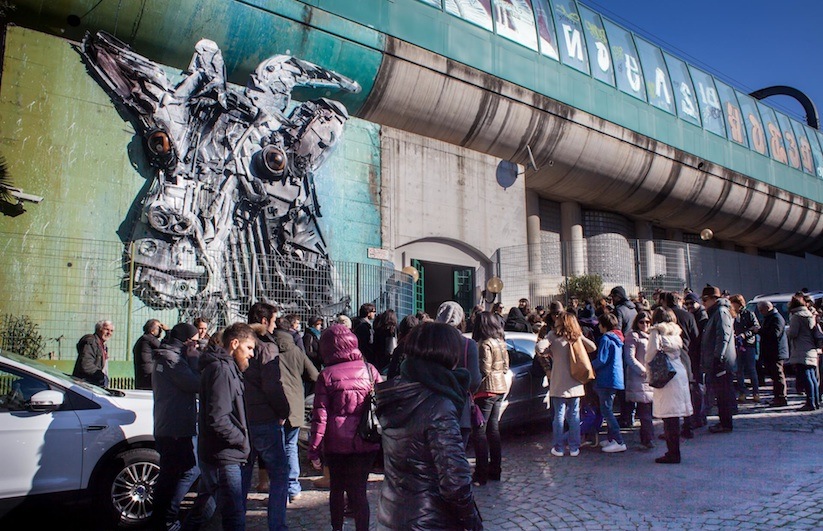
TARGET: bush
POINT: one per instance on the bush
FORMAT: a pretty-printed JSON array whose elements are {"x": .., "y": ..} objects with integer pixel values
[
  {"x": 20, "y": 335},
  {"x": 584, "y": 286}
]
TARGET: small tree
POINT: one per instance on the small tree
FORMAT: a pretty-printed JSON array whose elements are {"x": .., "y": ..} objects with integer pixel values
[
  {"x": 584, "y": 286},
  {"x": 20, "y": 335}
]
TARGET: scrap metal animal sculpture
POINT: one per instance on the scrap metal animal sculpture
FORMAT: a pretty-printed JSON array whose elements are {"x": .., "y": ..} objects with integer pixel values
[{"x": 231, "y": 214}]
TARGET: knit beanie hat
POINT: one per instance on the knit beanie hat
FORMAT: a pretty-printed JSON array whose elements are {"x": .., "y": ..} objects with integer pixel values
[
  {"x": 450, "y": 313},
  {"x": 183, "y": 332}
]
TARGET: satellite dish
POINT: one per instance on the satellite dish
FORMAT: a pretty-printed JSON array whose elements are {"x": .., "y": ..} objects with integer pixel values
[{"x": 506, "y": 173}]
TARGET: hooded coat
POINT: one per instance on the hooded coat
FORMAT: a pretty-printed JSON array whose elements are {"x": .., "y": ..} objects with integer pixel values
[
  {"x": 340, "y": 395},
  {"x": 295, "y": 368},
  {"x": 608, "y": 362},
  {"x": 634, "y": 358},
  {"x": 428, "y": 479},
  {"x": 673, "y": 399},
  {"x": 516, "y": 321}
]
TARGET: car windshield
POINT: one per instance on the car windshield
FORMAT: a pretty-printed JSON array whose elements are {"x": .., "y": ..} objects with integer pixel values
[{"x": 51, "y": 371}]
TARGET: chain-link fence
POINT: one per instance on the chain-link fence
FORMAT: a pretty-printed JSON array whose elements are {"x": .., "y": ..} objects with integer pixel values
[
  {"x": 539, "y": 271},
  {"x": 53, "y": 291}
]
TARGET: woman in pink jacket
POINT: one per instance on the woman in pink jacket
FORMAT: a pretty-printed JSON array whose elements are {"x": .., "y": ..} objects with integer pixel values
[{"x": 339, "y": 399}]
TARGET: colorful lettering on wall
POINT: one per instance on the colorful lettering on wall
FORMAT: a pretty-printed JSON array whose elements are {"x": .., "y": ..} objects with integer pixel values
[
  {"x": 683, "y": 89},
  {"x": 735, "y": 129},
  {"x": 792, "y": 148},
  {"x": 709, "y": 102},
  {"x": 806, "y": 156},
  {"x": 475, "y": 11},
  {"x": 773, "y": 134}
]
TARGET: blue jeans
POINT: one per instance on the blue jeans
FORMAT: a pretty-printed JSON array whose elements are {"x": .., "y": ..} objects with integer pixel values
[
  {"x": 607, "y": 410},
  {"x": 225, "y": 484},
  {"x": 291, "y": 436},
  {"x": 747, "y": 366},
  {"x": 178, "y": 471},
  {"x": 808, "y": 373},
  {"x": 267, "y": 439},
  {"x": 568, "y": 409}
]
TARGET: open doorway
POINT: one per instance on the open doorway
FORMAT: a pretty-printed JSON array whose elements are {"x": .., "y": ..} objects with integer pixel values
[{"x": 443, "y": 282}]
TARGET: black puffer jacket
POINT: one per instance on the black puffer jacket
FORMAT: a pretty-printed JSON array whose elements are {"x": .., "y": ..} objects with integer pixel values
[
  {"x": 176, "y": 382},
  {"x": 427, "y": 477},
  {"x": 224, "y": 435}
]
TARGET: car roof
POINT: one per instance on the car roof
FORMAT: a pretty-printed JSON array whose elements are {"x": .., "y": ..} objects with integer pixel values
[
  {"x": 512, "y": 335},
  {"x": 785, "y": 296}
]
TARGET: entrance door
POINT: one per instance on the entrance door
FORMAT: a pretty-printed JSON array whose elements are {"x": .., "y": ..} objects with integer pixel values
[{"x": 443, "y": 282}]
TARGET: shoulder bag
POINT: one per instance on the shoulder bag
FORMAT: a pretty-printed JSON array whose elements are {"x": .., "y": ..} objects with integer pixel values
[
  {"x": 476, "y": 416},
  {"x": 369, "y": 427},
  {"x": 661, "y": 370},
  {"x": 579, "y": 363}
]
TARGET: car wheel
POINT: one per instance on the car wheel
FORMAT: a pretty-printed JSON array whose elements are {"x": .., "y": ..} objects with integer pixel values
[{"x": 127, "y": 487}]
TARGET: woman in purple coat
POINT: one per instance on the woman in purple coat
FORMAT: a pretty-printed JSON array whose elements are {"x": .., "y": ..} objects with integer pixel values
[{"x": 339, "y": 399}]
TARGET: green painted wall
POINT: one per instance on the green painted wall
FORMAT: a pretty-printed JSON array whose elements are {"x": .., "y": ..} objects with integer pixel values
[{"x": 61, "y": 261}]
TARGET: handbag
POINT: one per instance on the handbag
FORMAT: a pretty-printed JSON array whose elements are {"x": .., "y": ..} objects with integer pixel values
[
  {"x": 369, "y": 427},
  {"x": 475, "y": 415},
  {"x": 579, "y": 363},
  {"x": 661, "y": 370}
]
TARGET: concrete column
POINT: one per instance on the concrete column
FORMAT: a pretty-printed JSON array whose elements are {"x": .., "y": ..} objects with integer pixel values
[
  {"x": 645, "y": 236},
  {"x": 533, "y": 230},
  {"x": 571, "y": 238}
]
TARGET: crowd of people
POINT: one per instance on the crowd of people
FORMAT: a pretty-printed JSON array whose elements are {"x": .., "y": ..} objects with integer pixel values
[{"x": 240, "y": 393}]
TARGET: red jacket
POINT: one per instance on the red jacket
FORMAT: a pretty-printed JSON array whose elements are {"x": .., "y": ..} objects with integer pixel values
[{"x": 339, "y": 396}]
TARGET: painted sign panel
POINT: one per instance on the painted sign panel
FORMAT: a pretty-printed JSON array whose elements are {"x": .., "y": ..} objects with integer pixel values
[
  {"x": 545, "y": 29},
  {"x": 514, "y": 20},
  {"x": 475, "y": 11},
  {"x": 570, "y": 35},
  {"x": 754, "y": 125},
  {"x": 709, "y": 102},
  {"x": 626, "y": 63},
  {"x": 683, "y": 88},
  {"x": 735, "y": 128},
  {"x": 774, "y": 135},
  {"x": 804, "y": 146},
  {"x": 597, "y": 45},
  {"x": 658, "y": 86},
  {"x": 792, "y": 146}
]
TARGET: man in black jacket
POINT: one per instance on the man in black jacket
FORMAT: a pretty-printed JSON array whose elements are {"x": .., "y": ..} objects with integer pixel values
[
  {"x": 223, "y": 444},
  {"x": 143, "y": 351},
  {"x": 175, "y": 382},
  {"x": 774, "y": 349},
  {"x": 267, "y": 409}
]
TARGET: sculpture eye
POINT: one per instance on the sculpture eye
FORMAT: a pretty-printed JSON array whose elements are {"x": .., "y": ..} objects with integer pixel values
[
  {"x": 274, "y": 159},
  {"x": 161, "y": 149}
]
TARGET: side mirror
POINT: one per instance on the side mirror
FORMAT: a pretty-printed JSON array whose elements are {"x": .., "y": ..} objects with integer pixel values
[{"x": 46, "y": 401}]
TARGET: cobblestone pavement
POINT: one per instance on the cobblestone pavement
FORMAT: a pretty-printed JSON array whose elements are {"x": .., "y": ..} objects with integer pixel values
[{"x": 768, "y": 473}]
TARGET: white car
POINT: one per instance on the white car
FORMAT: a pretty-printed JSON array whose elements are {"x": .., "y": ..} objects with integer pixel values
[{"x": 65, "y": 438}]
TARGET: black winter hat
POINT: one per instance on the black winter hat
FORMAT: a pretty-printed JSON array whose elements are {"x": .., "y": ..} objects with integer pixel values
[{"x": 183, "y": 332}]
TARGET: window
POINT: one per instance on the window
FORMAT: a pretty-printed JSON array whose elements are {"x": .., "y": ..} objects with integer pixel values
[
  {"x": 16, "y": 389},
  {"x": 514, "y": 20}
]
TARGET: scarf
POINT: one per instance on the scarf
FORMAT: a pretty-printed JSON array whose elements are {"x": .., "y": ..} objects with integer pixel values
[{"x": 454, "y": 385}]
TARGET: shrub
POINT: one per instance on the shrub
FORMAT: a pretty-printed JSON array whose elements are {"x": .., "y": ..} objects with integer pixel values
[
  {"x": 20, "y": 335},
  {"x": 584, "y": 286}
]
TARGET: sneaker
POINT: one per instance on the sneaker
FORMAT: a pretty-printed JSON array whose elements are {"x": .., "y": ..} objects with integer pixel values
[
  {"x": 778, "y": 402},
  {"x": 756, "y": 399},
  {"x": 557, "y": 453},
  {"x": 294, "y": 497},
  {"x": 574, "y": 453},
  {"x": 614, "y": 447},
  {"x": 605, "y": 442}
]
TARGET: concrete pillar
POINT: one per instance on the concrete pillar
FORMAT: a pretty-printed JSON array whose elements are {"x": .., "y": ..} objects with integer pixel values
[
  {"x": 533, "y": 229},
  {"x": 571, "y": 238},
  {"x": 645, "y": 236}
]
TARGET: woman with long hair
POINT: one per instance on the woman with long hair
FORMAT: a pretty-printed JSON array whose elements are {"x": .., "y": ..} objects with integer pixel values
[
  {"x": 385, "y": 339},
  {"x": 564, "y": 390},
  {"x": 399, "y": 353},
  {"x": 494, "y": 364},
  {"x": 803, "y": 350},
  {"x": 427, "y": 482},
  {"x": 746, "y": 327},
  {"x": 637, "y": 390},
  {"x": 672, "y": 401},
  {"x": 339, "y": 398}
]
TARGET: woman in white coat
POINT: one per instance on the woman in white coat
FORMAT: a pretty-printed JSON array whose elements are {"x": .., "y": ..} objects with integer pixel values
[{"x": 672, "y": 401}]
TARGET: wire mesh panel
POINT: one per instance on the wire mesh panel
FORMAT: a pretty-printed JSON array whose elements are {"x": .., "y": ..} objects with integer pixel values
[{"x": 54, "y": 290}]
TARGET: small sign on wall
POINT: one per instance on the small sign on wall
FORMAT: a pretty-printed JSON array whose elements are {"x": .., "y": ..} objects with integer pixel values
[{"x": 379, "y": 253}]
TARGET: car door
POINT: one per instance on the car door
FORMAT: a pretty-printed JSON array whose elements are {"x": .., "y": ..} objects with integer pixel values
[{"x": 40, "y": 452}]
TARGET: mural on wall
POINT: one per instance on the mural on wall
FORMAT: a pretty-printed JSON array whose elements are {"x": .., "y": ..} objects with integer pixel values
[{"x": 231, "y": 215}]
